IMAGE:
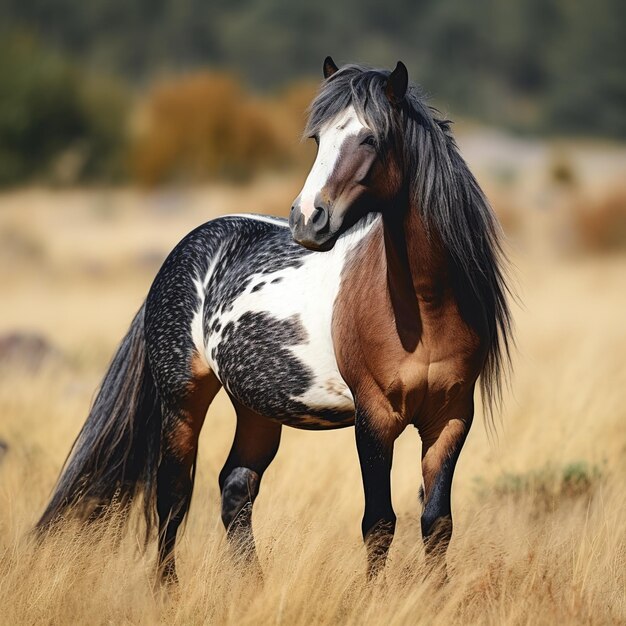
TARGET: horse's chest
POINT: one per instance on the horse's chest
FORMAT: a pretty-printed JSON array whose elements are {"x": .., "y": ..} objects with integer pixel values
[
  {"x": 416, "y": 370},
  {"x": 271, "y": 346}
]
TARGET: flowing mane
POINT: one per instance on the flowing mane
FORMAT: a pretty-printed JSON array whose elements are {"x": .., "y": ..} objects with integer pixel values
[{"x": 445, "y": 192}]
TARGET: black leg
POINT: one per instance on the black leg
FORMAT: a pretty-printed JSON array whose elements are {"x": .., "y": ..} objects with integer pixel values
[
  {"x": 175, "y": 484},
  {"x": 239, "y": 491},
  {"x": 439, "y": 459},
  {"x": 255, "y": 446},
  {"x": 379, "y": 519},
  {"x": 182, "y": 423},
  {"x": 174, "y": 487},
  {"x": 436, "y": 520}
]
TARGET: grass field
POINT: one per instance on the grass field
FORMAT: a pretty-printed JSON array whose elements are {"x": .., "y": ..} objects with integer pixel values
[{"x": 540, "y": 512}]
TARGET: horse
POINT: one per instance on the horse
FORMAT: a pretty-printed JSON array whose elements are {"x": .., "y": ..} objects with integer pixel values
[{"x": 379, "y": 304}]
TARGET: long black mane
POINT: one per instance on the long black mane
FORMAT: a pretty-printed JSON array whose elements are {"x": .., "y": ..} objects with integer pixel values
[{"x": 442, "y": 188}]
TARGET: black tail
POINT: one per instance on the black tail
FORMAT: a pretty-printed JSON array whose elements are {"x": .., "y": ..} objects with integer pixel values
[{"x": 116, "y": 455}]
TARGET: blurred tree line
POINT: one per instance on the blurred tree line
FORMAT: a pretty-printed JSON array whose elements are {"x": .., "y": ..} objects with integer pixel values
[
  {"x": 56, "y": 119},
  {"x": 71, "y": 72}
]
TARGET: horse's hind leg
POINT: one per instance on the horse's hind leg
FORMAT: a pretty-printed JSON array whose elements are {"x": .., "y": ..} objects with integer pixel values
[
  {"x": 179, "y": 449},
  {"x": 254, "y": 447}
]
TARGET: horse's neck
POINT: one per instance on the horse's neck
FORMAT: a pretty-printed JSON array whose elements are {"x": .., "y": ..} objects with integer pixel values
[{"x": 417, "y": 264}]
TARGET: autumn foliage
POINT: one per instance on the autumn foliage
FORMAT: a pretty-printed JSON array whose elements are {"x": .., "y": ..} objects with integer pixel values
[{"x": 207, "y": 126}]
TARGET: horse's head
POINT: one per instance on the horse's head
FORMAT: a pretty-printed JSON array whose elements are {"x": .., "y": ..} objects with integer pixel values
[{"x": 357, "y": 168}]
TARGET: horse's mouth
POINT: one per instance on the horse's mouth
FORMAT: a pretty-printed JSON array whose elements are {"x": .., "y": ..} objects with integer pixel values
[{"x": 315, "y": 245}]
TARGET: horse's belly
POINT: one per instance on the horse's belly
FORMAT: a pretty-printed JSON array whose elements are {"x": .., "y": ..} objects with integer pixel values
[
  {"x": 274, "y": 367},
  {"x": 272, "y": 348}
]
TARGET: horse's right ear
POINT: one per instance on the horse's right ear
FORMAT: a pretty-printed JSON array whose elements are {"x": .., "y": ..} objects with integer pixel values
[{"x": 330, "y": 67}]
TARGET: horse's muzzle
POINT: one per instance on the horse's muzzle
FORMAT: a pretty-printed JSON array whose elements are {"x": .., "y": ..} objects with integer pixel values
[{"x": 314, "y": 233}]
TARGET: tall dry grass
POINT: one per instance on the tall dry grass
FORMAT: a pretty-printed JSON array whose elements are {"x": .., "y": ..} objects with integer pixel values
[{"x": 540, "y": 514}]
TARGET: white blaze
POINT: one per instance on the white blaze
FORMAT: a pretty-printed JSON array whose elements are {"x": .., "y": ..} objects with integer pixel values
[{"x": 332, "y": 136}]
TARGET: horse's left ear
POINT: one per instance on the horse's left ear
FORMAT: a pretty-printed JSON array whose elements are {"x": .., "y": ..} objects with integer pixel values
[
  {"x": 330, "y": 67},
  {"x": 397, "y": 83}
]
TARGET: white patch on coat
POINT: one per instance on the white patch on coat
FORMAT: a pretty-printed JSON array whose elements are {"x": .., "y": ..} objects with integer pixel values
[
  {"x": 308, "y": 292},
  {"x": 197, "y": 321},
  {"x": 332, "y": 137},
  {"x": 197, "y": 330}
]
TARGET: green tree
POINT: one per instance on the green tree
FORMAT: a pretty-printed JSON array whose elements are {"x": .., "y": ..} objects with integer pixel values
[{"x": 50, "y": 109}]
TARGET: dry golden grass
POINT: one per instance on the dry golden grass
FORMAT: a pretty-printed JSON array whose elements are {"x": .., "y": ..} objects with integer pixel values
[{"x": 529, "y": 548}]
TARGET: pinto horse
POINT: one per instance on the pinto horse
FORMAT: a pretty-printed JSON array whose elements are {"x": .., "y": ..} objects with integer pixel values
[{"x": 379, "y": 304}]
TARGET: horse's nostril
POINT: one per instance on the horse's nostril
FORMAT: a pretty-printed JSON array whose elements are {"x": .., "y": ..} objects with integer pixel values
[
  {"x": 319, "y": 219},
  {"x": 295, "y": 216}
]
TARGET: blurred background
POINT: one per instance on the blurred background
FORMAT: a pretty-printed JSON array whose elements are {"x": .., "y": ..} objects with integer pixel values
[
  {"x": 157, "y": 92},
  {"x": 124, "y": 125}
]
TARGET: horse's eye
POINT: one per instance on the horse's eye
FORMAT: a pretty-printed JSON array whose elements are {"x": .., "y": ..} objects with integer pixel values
[{"x": 370, "y": 140}]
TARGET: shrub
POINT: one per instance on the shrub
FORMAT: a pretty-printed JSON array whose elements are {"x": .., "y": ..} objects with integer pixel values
[
  {"x": 561, "y": 170},
  {"x": 56, "y": 121},
  {"x": 601, "y": 226},
  {"x": 547, "y": 487},
  {"x": 202, "y": 126},
  {"x": 290, "y": 112}
]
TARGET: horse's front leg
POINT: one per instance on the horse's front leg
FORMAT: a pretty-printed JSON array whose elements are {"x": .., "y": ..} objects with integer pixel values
[
  {"x": 375, "y": 448},
  {"x": 440, "y": 452}
]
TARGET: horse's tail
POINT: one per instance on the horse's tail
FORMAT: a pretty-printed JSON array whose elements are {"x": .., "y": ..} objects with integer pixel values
[{"x": 116, "y": 454}]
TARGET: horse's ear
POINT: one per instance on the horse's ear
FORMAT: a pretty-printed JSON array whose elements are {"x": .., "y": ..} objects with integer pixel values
[
  {"x": 397, "y": 83},
  {"x": 330, "y": 67}
]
